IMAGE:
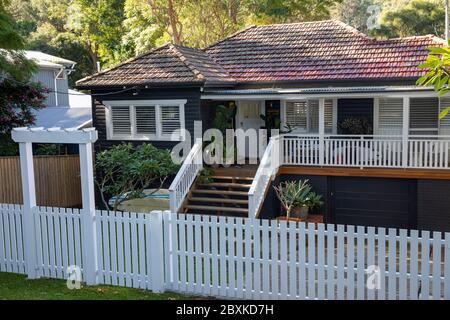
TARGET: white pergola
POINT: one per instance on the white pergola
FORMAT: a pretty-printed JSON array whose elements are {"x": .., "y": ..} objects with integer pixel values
[{"x": 84, "y": 138}]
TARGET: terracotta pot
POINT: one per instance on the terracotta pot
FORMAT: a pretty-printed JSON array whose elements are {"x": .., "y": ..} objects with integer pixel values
[{"x": 301, "y": 212}]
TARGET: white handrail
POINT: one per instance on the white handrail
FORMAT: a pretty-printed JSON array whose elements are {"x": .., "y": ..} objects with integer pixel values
[
  {"x": 268, "y": 167},
  {"x": 185, "y": 177}
]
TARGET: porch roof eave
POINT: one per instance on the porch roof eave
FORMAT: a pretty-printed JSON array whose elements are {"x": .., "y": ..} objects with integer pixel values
[{"x": 311, "y": 93}]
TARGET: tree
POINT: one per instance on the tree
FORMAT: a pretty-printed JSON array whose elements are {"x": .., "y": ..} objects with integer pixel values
[
  {"x": 141, "y": 33},
  {"x": 97, "y": 24},
  {"x": 354, "y": 13},
  {"x": 438, "y": 75},
  {"x": 419, "y": 17},
  {"x": 125, "y": 171},
  {"x": 18, "y": 96},
  {"x": 283, "y": 11}
]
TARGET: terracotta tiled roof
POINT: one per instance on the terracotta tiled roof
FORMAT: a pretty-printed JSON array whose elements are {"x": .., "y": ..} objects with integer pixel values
[
  {"x": 323, "y": 50},
  {"x": 310, "y": 51},
  {"x": 165, "y": 64}
]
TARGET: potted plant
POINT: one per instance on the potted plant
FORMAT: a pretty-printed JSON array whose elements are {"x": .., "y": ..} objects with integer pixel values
[
  {"x": 301, "y": 206},
  {"x": 315, "y": 202},
  {"x": 356, "y": 126},
  {"x": 291, "y": 194}
]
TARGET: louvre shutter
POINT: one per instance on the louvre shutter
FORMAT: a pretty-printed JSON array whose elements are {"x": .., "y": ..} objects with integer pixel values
[
  {"x": 390, "y": 116},
  {"x": 145, "y": 120},
  {"x": 121, "y": 120},
  {"x": 328, "y": 116},
  {"x": 296, "y": 115},
  {"x": 424, "y": 115},
  {"x": 170, "y": 119},
  {"x": 313, "y": 116}
]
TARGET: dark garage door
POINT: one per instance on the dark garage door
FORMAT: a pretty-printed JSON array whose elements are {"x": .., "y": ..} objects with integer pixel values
[{"x": 374, "y": 202}]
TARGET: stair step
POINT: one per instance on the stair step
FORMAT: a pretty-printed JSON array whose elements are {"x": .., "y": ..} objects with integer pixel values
[
  {"x": 215, "y": 208},
  {"x": 232, "y": 178},
  {"x": 224, "y": 192},
  {"x": 215, "y": 200},
  {"x": 226, "y": 185}
]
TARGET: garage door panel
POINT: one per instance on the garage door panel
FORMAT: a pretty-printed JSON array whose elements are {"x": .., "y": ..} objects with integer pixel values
[
  {"x": 393, "y": 197},
  {"x": 371, "y": 204},
  {"x": 360, "y": 220},
  {"x": 373, "y": 201}
]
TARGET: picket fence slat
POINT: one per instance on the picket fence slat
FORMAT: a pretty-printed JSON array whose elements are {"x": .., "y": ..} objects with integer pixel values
[{"x": 236, "y": 257}]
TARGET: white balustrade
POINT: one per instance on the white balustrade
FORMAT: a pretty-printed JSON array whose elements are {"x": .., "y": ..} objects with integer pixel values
[
  {"x": 185, "y": 177},
  {"x": 268, "y": 167}
]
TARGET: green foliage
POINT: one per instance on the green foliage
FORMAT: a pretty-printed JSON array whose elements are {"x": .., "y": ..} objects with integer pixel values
[
  {"x": 314, "y": 200},
  {"x": 355, "y": 125},
  {"x": 282, "y": 11},
  {"x": 223, "y": 119},
  {"x": 98, "y": 25},
  {"x": 205, "y": 176},
  {"x": 47, "y": 149},
  {"x": 292, "y": 194},
  {"x": 12, "y": 61},
  {"x": 8, "y": 147},
  {"x": 438, "y": 73},
  {"x": 419, "y": 17},
  {"x": 125, "y": 171}
]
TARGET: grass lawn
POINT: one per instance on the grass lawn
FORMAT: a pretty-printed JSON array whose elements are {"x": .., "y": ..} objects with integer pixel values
[{"x": 18, "y": 287}]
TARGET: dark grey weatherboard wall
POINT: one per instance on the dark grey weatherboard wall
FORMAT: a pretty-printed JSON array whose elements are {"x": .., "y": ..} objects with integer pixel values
[
  {"x": 191, "y": 110},
  {"x": 403, "y": 203},
  {"x": 433, "y": 211}
]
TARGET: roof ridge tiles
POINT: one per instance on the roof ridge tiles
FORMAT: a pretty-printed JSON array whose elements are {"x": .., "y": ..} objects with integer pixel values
[{"x": 183, "y": 59}]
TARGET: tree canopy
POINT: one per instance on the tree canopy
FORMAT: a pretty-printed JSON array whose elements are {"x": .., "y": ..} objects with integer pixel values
[{"x": 111, "y": 31}]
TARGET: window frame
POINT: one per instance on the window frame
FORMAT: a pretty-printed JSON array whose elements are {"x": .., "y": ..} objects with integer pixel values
[
  {"x": 110, "y": 104},
  {"x": 307, "y": 130}
]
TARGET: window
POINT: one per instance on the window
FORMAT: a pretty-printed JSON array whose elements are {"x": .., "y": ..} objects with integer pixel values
[
  {"x": 424, "y": 115},
  {"x": 145, "y": 120},
  {"x": 297, "y": 115},
  {"x": 303, "y": 116},
  {"x": 390, "y": 116}
]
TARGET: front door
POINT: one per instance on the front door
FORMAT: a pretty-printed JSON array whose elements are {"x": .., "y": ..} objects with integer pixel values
[{"x": 248, "y": 116}]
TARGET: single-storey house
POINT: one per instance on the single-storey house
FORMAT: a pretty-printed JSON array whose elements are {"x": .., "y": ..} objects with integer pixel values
[{"x": 312, "y": 77}]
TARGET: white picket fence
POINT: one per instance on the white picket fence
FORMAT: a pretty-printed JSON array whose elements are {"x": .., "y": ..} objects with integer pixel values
[{"x": 231, "y": 257}]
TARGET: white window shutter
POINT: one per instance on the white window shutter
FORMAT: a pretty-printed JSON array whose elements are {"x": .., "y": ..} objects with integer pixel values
[
  {"x": 145, "y": 120},
  {"x": 424, "y": 115},
  {"x": 170, "y": 119},
  {"x": 390, "y": 116},
  {"x": 313, "y": 110},
  {"x": 121, "y": 120},
  {"x": 329, "y": 116},
  {"x": 296, "y": 115}
]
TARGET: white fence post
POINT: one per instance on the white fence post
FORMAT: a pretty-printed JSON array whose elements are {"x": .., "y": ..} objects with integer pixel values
[
  {"x": 89, "y": 240},
  {"x": 447, "y": 267},
  {"x": 157, "y": 252},
  {"x": 29, "y": 202}
]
